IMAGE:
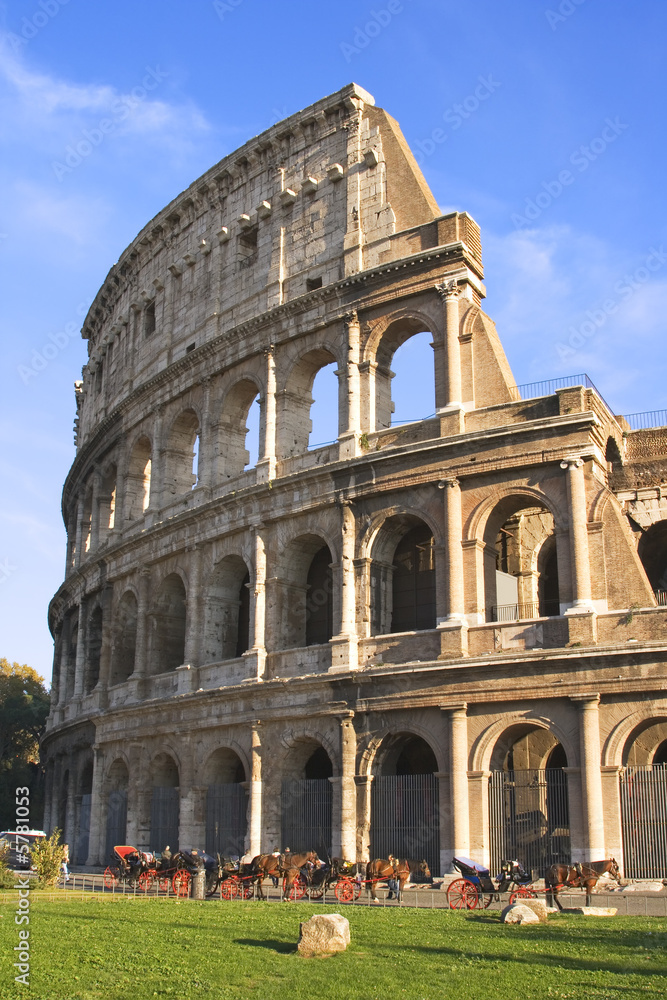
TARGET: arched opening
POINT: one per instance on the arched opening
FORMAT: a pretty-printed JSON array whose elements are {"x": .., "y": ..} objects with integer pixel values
[
  {"x": 305, "y": 799},
  {"x": 239, "y": 430},
  {"x": 612, "y": 455},
  {"x": 165, "y": 800},
  {"x": 116, "y": 824},
  {"x": 521, "y": 581},
  {"x": 324, "y": 408},
  {"x": 226, "y": 804},
  {"x": 304, "y": 611},
  {"x": 227, "y": 615},
  {"x": 80, "y": 851},
  {"x": 405, "y": 814},
  {"x": 181, "y": 454},
  {"x": 94, "y": 649},
  {"x": 528, "y": 799},
  {"x": 124, "y": 647},
  {"x": 643, "y": 788},
  {"x": 319, "y": 599},
  {"x": 107, "y": 503},
  {"x": 652, "y": 551},
  {"x": 413, "y": 364},
  {"x": 138, "y": 486},
  {"x": 167, "y": 626},
  {"x": 87, "y": 521},
  {"x": 402, "y": 577},
  {"x": 294, "y": 421}
]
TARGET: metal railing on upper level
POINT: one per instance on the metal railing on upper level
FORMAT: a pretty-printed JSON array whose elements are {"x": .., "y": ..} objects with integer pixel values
[
  {"x": 661, "y": 598},
  {"x": 646, "y": 420},
  {"x": 522, "y": 612},
  {"x": 532, "y": 390}
]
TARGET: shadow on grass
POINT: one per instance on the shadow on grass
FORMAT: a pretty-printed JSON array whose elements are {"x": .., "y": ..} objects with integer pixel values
[{"x": 281, "y": 947}]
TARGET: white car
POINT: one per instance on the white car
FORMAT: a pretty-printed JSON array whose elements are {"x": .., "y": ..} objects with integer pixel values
[{"x": 18, "y": 857}]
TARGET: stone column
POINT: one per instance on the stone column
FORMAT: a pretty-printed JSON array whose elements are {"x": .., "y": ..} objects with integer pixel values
[
  {"x": 193, "y": 610},
  {"x": 206, "y": 444},
  {"x": 141, "y": 647},
  {"x": 80, "y": 665},
  {"x": 97, "y": 827},
  {"x": 613, "y": 826},
  {"x": 105, "y": 654},
  {"x": 158, "y": 457},
  {"x": 591, "y": 776},
  {"x": 449, "y": 293},
  {"x": 454, "y": 632},
  {"x": 118, "y": 505},
  {"x": 348, "y": 789},
  {"x": 345, "y": 646},
  {"x": 63, "y": 672},
  {"x": 70, "y": 833},
  {"x": 95, "y": 511},
  {"x": 255, "y": 819},
  {"x": 350, "y": 409},
  {"x": 258, "y": 605},
  {"x": 458, "y": 778},
  {"x": 266, "y": 466},
  {"x": 71, "y": 543},
  {"x": 78, "y": 544},
  {"x": 578, "y": 522}
]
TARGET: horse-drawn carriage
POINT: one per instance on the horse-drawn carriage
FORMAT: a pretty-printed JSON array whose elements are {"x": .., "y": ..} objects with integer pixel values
[
  {"x": 144, "y": 870},
  {"x": 300, "y": 874},
  {"x": 476, "y": 889}
]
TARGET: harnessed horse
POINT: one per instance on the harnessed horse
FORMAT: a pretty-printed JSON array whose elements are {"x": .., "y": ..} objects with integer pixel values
[
  {"x": 579, "y": 876},
  {"x": 287, "y": 865},
  {"x": 398, "y": 869}
]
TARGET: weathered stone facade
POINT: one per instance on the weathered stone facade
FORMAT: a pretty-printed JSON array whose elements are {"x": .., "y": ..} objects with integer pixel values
[{"x": 245, "y": 654}]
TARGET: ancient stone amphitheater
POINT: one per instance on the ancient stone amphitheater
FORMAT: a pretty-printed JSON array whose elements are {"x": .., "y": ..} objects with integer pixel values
[{"x": 439, "y": 638}]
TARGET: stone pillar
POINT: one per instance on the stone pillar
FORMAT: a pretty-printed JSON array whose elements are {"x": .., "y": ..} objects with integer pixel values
[
  {"x": 363, "y": 783},
  {"x": 258, "y": 602},
  {"x": 158, "y": 457},
  {"x": 255, "y": 819},
  {"x": 348, "y": 790},
  {"x": 452, "y": 397},
  {"x": 141, "y": 648},
  {"x": 105, "y": 654},
  {"x": 578, "y": 523},
  {"x": 95, "y": 511},
  {"x": 118, "y": 505},
  {"x": 266, "y": 466},
  {"x": 70, "y": 832},
  {"x": 193, "y": 610},
  {"x": 345, "y": 646},
  {"x": 206, "y": 444},
  {"x": 613, "y": 828},
  {"x": 63, "y": 672},
  {"x": 350, "y": 410},
  {"x": 70, "y": 559},
  {"x": 454, "y": 632},
  {"x": 458, "y": 780},
  {"x": 591, "y": 778},
  {"x": 78, "y": 544},
  {"x": 80, "y": 665},
  {"x": 97, "y": 828}
]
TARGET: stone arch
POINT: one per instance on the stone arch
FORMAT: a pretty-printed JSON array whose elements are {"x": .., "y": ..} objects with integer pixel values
[
  {"x": 387, "y": 336},
  {"x": 164, "y": 768},
  {"x": 224, "y": 775},
  {"x": 296, "y": 748},
  {"x": 296, "y": 399},
  {"x": 636, "y": 738},
  {"x": 115, "y": 791},
  {"x": 227, "y": 611},
  {"x": 232, "y": 430},
  {"x": 514, "y": 525},
  {"x": 167, "y": 626},
  {"x": 108, "y": 501},
  {"x": 87, "y": 519},
  {"x": 124, "y": 643},
  {"x": 138, "y": 481},
  {"x": 401, "y": 584},
  {"x": 226, "y": 764},
  {"x": 180, "y": 454},
  {"x": 305, "y": 589},
  {"x": 494, "y": 741}
]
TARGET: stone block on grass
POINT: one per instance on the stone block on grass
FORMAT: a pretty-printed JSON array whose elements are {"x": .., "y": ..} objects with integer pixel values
[
  {"x": 323, "y": 934},
  {"x": 519, "y": 913}
]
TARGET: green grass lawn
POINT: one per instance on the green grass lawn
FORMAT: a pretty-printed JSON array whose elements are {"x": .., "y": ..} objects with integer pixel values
[{"x": 99, "y": 949}]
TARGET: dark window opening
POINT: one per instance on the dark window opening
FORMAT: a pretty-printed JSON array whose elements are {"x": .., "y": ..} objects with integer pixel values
[
  {"x": 413, "y": 584},
  {"x": 660, "y": 756},
  {"x": 318, "y": 766},
  {"x": 313, "y": 283},
  {"x": 548, "y": 587},
  {"x": 243, "y": 628},
  {"x": 247, "y": 247},
  {"x": 416, "y": 757},
  {"x": 98, "y": 379},
  {"x": 653, "y": 554},
  {"x": 319, "y": 603},
  {"x": 190, "y": 348},
  {"x": 149, "y": 319}
]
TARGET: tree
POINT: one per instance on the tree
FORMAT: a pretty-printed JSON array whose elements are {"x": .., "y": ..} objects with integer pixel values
[{"x": 24, "y": 706}]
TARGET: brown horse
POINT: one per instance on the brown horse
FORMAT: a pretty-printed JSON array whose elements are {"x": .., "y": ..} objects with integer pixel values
[
  {"x": 398, "y": 869},
  {"x": 580, "y": 876},
  {"x": 287, "y": 865}
]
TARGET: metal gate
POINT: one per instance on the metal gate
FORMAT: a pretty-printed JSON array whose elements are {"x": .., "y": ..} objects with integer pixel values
[
  {"x": 305, "y": 806},
  {"x": 116, "y": 819},
  {"x": 405, "y": 818},
  {"x": 83, "y": 835},
  {"x": 529, "y": 818},
  {"x": 164, "y": 819},
  {"x": 226, "y": 819},
  {"x": 644, "y": 821}
]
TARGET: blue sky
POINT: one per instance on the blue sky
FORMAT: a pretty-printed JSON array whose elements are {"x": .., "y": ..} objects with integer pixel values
[{"x": 544, "y": 121}]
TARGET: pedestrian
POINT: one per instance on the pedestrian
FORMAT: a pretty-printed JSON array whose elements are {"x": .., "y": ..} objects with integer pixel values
[{"x": 65, "y": 862}]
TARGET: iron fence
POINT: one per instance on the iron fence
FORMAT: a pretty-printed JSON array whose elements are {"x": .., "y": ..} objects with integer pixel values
[
  {"x": 226, "y": 819},
  {"x": 405, "y": 818},
  {"x": 644, "y": 821},
  {"x": 529, "y": 818},
  {"x": 522, "y": 612},
  {"x": 646, "y": 420},
  {"x": 306, "y": 816},
  {"x": 164, "y": 818}
]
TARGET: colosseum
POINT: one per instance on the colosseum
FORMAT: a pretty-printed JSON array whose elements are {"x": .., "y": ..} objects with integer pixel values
[{"x": 444, "y": 637}]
